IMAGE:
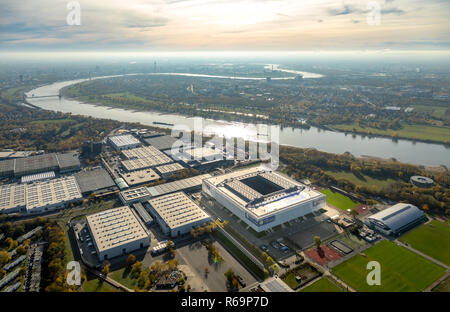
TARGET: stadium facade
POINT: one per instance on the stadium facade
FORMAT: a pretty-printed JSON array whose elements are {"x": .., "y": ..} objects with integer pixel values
[{"x": 263, "y": 198}]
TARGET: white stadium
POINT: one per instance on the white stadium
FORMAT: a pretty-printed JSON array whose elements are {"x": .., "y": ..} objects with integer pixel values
[{"x": 263, "y": 198}]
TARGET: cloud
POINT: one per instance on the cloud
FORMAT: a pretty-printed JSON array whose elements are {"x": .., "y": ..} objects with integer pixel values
[{"x": 221, "y": 24}]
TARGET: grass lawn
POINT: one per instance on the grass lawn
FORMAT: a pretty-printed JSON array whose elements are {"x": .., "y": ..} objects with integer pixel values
[
  {"x": 366, "y": 181},
  {"x": 338, "y": 200},
  {"x": 432, "y": 239},
  {"x": 291, "y": 281},
  {"x": 421, "y": 132},
  {"x": 123, "y": 276},
  {"x": 322, "y": 285},
  {"x": 93, "y": 284},
  {"x": 435, "y": 111},
  {"x": 401, "y": 269},
  {"x": 443, "y": 286}
]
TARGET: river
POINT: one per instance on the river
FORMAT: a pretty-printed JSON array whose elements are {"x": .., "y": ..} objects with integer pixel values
[{"x": 328, "y": 141}]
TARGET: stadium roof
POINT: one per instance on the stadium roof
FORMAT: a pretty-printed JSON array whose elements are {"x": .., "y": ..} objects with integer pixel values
[{"x": 398, "y": 216}]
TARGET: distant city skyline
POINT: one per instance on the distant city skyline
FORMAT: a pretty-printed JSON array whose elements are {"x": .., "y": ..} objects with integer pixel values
[{"x": 219, "y": 25}]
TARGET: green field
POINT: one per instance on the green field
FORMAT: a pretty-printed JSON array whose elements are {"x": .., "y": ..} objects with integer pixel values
[
  {"x": 365, "y": 180},
  {"x": 401, "y": 269},
  {"x": 443, "y": 286},
  {"x": 123, "y": 276},
  {"x": 435, "y": 111},
  {"x": 420, "y": 132},
  {"x": 338, "y": 200},
  {"x": 432, "y": 239},
  {"x": 322, "y": 285},
  {"x": 93, "y": 284}
]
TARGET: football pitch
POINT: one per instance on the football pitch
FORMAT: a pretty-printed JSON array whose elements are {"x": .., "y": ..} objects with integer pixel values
[
  {"x": 432, "y": 239},
  {"x": 338, "y": 200},
  {"x": 401, "y": 269}
]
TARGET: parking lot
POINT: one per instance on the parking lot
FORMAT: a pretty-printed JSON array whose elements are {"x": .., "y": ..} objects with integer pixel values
[
  {"x": 301, "y": 231},
  {"x": 196, "y": 256}
]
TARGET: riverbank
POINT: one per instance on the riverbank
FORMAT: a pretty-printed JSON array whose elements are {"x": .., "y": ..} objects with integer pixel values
[
  {"x": 419, "y": 133},
  {"x": 417, "y": 153}
]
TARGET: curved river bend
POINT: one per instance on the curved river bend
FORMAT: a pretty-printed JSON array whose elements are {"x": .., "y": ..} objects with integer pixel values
[{"x": 328, "y": 141}]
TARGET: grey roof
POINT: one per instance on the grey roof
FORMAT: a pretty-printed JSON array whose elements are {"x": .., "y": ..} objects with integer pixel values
[
  {"x": 178, "y": 185},
  {"x": 145, "y": 216},
  {"x": 275, "y": 284},
  {"x": 161, "y": 142},
  {"x": 68, "y": 161},
  {"x": 40, "y": 163},
  {"x": 398, "y": 216},
  {"x": 6, "y": 166},
  {"x": 94, "y": 180},
  {"x": 44, "y": 162}
]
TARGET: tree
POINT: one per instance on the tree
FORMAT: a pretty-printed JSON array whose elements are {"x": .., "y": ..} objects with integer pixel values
[
  {"x": 106, "y": 269},
  {"x": 229, "y": 275},
  {"x": 354, "y": 213},
  {"x": 4, "y": 257},
  {"x": 131, "y": 259},
  {"x": 136, "y": 268},
  {"x": 317, "y": 241},
  {"x": 194, "y": 233},
  {"x": 269, "y": 260},
  {"x": 172, "y": 264}
]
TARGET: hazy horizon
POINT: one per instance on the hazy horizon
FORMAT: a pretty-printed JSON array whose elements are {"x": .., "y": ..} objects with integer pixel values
[{"x": 218, "y": 25}]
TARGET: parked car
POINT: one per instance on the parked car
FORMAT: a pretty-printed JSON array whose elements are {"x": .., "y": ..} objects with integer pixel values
[
  {"x": 275, "y": 245},
  {"x": 263, "y": 247},
  {"x": 284, "y": 249},
  {"x": 241, "y": 281}
]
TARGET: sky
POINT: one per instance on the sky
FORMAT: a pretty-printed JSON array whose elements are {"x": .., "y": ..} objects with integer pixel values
[{"x": 224, "y": 25}]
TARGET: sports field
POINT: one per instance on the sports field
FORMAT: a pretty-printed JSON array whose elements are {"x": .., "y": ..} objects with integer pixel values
[
  {"x": 338, "y": 200},
  {"x": 401, "y": 269},
  {"x": 432, "y": 239},
  {"x": 322, "y": 285}
]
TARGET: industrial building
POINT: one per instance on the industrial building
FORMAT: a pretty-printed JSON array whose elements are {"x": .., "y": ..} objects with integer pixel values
[
  {"x": 143, "y": 214},
  {"x": 140, "y": 177},
  {"x": 164, "y": 142},
  {"x": 12, "y": 198},
  {"x": 263, "y": 198},
  {"x": 202, "y": 158},
  {"x": 167, "y": 170},
  {"x": 39, "y": 197},
  {"x": 38, "y": 177},
  {"x": 176, "y": 213},
  {"x": 143, "y": 158},
  {"x": 51, "y": 195},
  {"x": 142, "y": 194},
  {"x": 116, "y": 232},
  {"x": 19, "y": 167},
  {"x": 396, "y": 219},
  {"x": 135, "y": 195},
  {"x": 124, "y": 141},
  {"x": 96, "y": 180},
  {"x": 142, "y": 152},
  {"x": 144, "y": 163}
]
